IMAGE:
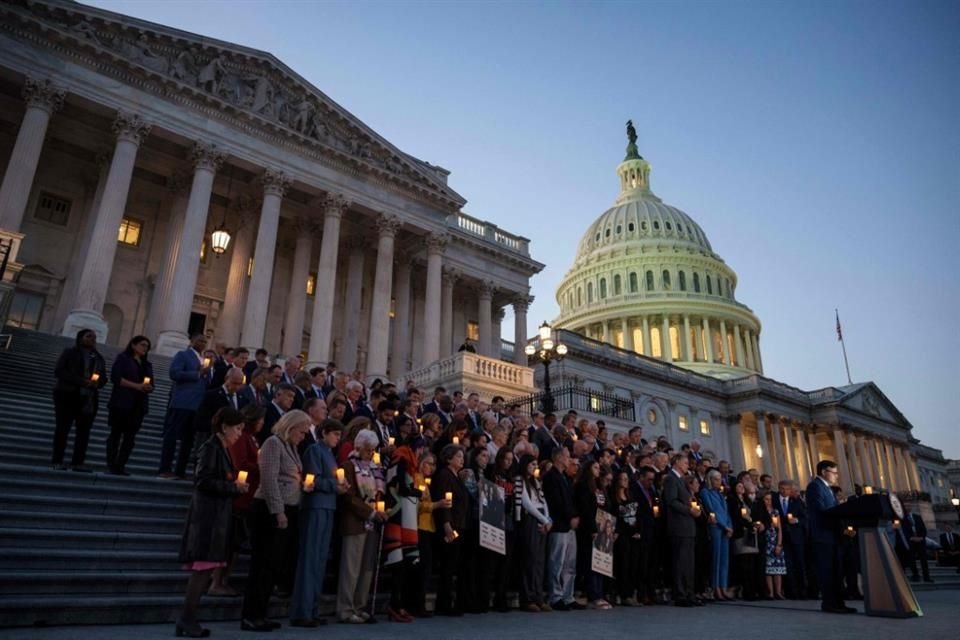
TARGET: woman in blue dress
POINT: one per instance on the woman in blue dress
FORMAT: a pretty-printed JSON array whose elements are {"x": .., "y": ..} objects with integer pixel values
[
  {"x": 721, "y": 529},
  {"x": 776, "y": 563}
]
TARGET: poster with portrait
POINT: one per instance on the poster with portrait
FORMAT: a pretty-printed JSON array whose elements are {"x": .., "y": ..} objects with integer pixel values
[
  {"x": 602, "y": 559},
  {"x": 493, "y": 534}
]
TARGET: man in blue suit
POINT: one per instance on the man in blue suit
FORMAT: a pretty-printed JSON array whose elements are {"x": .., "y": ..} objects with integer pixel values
[
  {"x": 825, "y": 533},
  {"x": 190, "y": 376}
]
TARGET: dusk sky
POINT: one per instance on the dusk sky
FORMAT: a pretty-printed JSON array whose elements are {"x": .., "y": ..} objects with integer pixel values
[{"x": 816, "y": 143}]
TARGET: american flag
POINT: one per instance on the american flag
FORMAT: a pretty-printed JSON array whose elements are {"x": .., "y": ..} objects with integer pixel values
[{"x": 839, "y": 330}]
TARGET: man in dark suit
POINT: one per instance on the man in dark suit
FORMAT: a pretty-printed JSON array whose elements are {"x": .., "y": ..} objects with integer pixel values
[
  {"x": 434, "y": 405},
  {"x": 825, "y": 534},
  {"x": 473, "y": 414},
  {"x": 260, "y": 361},
  {"x": 223, "y": 396},
  {"x": 221, "y": 363},
  {"x": 950, "y": 548},
  {"x": 190, "y": 373},
  {"x": 316, "y": 383},
  {"x": 646, "y": 495},
  {"x": 793, "y": 516},
  {"x": 681, "y": 530},
  {"x": 282, "y": 402},
  {"x": 562, "y": 539},
  {"x": 914, "y": 531},
  {"x": 255, "y": 392}
]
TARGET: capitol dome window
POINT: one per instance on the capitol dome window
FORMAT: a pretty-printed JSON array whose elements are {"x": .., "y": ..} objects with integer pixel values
[
  {"x": 683, "y": 281},
  {"x": 607, "y": 234},
  {"x": 656, "y": 225},
  {"x": 579, "y": 296},
  {"x": 631, "y": 227},
  {"x": 617, "y": 285},
  {"x": 633, "y": 282},
  {"x": 603, "y": 288},
  {"x": 669, "y": 228},
  {"x": 589, "y": 293},
  {"x": 649, "y": 280},
  {"x": 598, "y": 236},
  {"x": 696, "y": 283},
  {"x": 619, "y": 229},
  {"x": 709, "y": 285},
  {"x": 666, "y": 280},
  {"x": 643, "y": 225}
]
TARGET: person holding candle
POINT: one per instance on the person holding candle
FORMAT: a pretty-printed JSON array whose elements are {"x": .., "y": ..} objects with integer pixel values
[
  {"x": 81, "y": 373},
  {"x": 775, "y": 564},
  {"x": 190, "y": 377},
  {"x": 720, "y": 529},
  {"x": 793, "y": 520},
  {"x": 745, "y": 548},
  {"x": 701, "y": 555},
  {"x": 358, "y": 424},
  {"x": 317, "y": 510},
  {"x": 532, "y": 543},
  {"x": 681, "y": 529},
  {"x": 448, "y": 523},
  {"x": 626, "y": 549},
  {"x": 132, "y": 376},
  {"x": 588, "y": 497},
  {"x": 206, "y": 538},
  {"x": 426, "y": 534},
  {"x": 274, "y": 514},
  {"x": 562, "y": 540}
]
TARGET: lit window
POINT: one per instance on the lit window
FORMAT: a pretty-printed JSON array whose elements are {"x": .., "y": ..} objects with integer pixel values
[
  {"x": 682, "y": 423},
  {"x": 594, "y": 403},
  {"x": 130, "y": 232},
  {"x": 473, "y": 331},
  {"x": 203, "y": 251},
  {"x": 652, "y": 416},
  {"x": 705, "y": 427},
  {"x": 250, "y": 267},
  {"x": 25, "y": 310},
  {"x": 312, "y": 285},
  {"x": 52, "y": 209}
]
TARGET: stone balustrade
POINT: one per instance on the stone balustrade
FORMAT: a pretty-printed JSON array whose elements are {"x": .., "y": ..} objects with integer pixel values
[{"x": 473, "y": 372}]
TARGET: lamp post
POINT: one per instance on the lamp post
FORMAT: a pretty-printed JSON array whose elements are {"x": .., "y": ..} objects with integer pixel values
[{"x": 546, "y": 351}]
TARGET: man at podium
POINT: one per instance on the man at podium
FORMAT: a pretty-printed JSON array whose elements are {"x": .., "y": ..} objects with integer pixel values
[{"x": 825, "y": 532}]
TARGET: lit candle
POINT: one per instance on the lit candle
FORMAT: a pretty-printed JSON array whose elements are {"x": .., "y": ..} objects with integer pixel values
[
  {"x": 775, "y": 520},
  {"x": 341, "y": 475},
  {"x": 849, "y": 529},
  {"x": 244, "y": 379},
  {"x": 896, "y": 524},
  {"x": 391, "y": 440},
  {"x": 146, "y": 380},
  {"x": 422, "y": 488},
  {"x": 241, "y": 477},
  {"x": 94, "y": 377},
  {"x": 206, "y": 363},
  {"x": 381, "y": 506},
  {"x": 536, "y": 472},
  {"x": 455, "y": 534},
  {"x": 456, "y": 440},
  {"x": 713, "y": 517},
  {"x": 448, "y": 496},
  {"x": 656, "y": 511},
  {"x": 427, "y": 480},
  {"x": 743, "y": 513},
  {"x": 791, "y": 519},
  {"x": 376, "y": 458},
  {"x": 308, "y": 480},
  {"x": 868, "y": 490}
]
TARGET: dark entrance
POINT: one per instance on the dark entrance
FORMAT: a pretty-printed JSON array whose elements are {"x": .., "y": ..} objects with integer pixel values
[{"x": 198, "y": 321}]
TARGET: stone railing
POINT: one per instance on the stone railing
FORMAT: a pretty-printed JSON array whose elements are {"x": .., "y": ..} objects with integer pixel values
[
  {"x": 489, "y": 232},
  {"x": 472, "y": 372}
]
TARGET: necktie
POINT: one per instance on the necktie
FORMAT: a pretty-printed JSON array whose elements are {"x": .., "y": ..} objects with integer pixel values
[{"x": 233, "y": 400}]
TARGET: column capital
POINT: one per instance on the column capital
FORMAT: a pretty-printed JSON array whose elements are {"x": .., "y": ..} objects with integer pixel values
[
  {"x": 498, "y": 315},
  {"x": 436, "y": 243},
  {"x": 43, "y": 94},
  {"x": 486, "y": 289},
  {"x": 334, "y": 204},
  {"x": 206, "y": 156},
  {"x": 131, "y": 127},
  {"x": 450, "y": 276},
  {"x": 387, "y": 225},
  {"x": 521, "y": 303},
  {"x": 274, "y": 182}
]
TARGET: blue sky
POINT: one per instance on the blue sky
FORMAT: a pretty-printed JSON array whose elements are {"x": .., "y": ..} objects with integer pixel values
[{"x": 816, "y": 143}]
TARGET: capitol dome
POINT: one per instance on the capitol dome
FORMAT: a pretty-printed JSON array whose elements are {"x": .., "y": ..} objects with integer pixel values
[{"x": 646, "y": 279}]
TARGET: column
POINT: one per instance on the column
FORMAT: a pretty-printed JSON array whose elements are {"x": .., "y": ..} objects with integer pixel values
[
  {"x": 806, "y": 468},
  {"x": 707, "y": 340},
  {"x": 777, "y": 459},
  {"x": 485, "y": 319},
  {"x": 496, "y": 343},
  {"x": 177, "y": 302},
  {"x": 867, "y": 473},
  {"x": 687, "y": 340},
  {"x": 738, "y": 344},
  {"x": 791, "y": 469},
  {"x": 297, "y": 294},
  {"x": 378, "y": 344},
  {"x": 98, "y": 265},
  {"x": 178, "y": 188},
  {"x": 275, "y": 185},
  {"x": 43, "y": 100},
  {"x": 605, "y": 332},
  {"x": 841, "y": 460},
  {"x": 856, "y": 475},
  {"x": 763, "y": 463},
  {"x": 725, "y": 345},
  {"x": 520, "y": 305},
  {"x": 871, "y": 451},
  {"x": 915, "y": 473},
  {"x": 645, "y": 329},
  {"x": 756, "y": 354},
  {"x": 894, "y": 483},
  {"x": 228, "y": 329},
  {"x": 357, "y": 246},
  {"x": 666, "y": 349},
  {"x": 814, "y": 449},
  {"x": 748, "y": 345},
  {"x": 436, "y": 243},
  {"x": 627, "y": 331},
  {"x": 735, "y": 437},
  {"x": 902, "y": 476},
  {"x": 400, "y": 342},
  {"x": 449, "y": 280},
  {"x": 321, "y": 327}
]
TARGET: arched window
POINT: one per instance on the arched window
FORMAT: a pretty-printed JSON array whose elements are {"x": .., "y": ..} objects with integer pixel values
[
  {"x": 683, "y": 281},
  {"x": 656, "y": 225},
  {"x": 666, "y": 280},
  {"x": 709, "y": 285},
  {"x": 589, "y": 292},
  {"x": 633, "y": 282},
  {"x": 631, "y": 228},
  {"x": 696, "y": 283},
  {"x": 619, "y": 229},
  {"x": 617, "y": 285},
  {"x": 579, "y": 296},
  {"x": 603, "y": 288},
  {"x": 643, "y": 225},
  {"x": 649, "y": 280},
  {"x": 729, "y": 294}
]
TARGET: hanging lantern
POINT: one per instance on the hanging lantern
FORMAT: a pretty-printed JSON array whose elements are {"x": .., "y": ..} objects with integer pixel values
[
  {"x": 759, "y": 451},
  {"x": 219, "y": 240}
]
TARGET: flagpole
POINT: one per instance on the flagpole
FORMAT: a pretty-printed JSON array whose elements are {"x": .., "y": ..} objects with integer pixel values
[{"x": 843, "y": 347}]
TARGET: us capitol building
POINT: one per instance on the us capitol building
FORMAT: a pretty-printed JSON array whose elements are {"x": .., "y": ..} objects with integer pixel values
[{"x": 160, "y": 182}]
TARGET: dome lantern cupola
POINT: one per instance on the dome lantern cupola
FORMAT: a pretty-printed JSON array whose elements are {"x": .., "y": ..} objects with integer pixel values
[{"x": 634, "y": 171}]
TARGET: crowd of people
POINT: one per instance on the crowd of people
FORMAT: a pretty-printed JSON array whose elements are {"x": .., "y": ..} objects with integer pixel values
[{"x": 286, "y": 458}]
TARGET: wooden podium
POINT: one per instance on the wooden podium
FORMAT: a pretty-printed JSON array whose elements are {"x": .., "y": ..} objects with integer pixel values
[{"x": 886, "y": 592}]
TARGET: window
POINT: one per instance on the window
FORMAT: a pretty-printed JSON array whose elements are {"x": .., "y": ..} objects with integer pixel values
[
  {"x": 709, "y": 285},
  {"x": 683, "y": 281},
  {"x": 729, "y": 294},
  {"x": 652, "y": 416},
  {"x": 631, "y": 227},
  {"x": 594, "y": 403},
  {"x": 633, "y": 283},
  {"x": 617, "y": 284},
  {"x": 603, "y": 288},
  {"x": 669, "y": 227},
  {"x": 682, "y": 423},
  {"x": 203, "y": 251},
  {"x": 52, "y": 209},
  {"x": 643, "y": 225},
  {"x": 656, "y": 344},
  {"x": 666, "y": 280},
  {"x": 589, "y": 292},
  {"x": 25, "y": 310},
  {"x": 656, "y": 225},
  {"x": 250, "y": 267},
  {"x": 598, "y": 236},
  {"x": 130, "y": 230},
  {"x": 705, "y": 427},
  {"x": 312, "y": 285},
  {"x": 696, "y": 283},
  {"x": 607, "y": 233},
  {"x": 473, "y": 331},
  {"x": 619, "y": 229},
  {"x": 579, "y": 296},
  {"x": 649, "y": 280}
]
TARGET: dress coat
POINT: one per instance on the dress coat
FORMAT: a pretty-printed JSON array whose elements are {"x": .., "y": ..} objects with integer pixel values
[{"x": 207, "y": 533}]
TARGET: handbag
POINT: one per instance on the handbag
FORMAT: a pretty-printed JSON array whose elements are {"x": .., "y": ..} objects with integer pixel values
[{"x": 747, "y": 544}]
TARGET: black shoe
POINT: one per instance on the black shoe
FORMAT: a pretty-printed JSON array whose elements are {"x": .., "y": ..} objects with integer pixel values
[
  {"x": 261, "y": 625},
  {"x": 576, "y": 606},
  {"x": 560, "y": 605}
]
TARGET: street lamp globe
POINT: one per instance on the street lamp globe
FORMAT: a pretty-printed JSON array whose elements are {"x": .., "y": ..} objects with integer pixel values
[
  {"x": 529, "y": 349},
  {"x": 955, "y": 501},
  {"x": 561, "y": 350},
  {"x": 546, "y": 331},
  {"x": 548, "y": 345}
]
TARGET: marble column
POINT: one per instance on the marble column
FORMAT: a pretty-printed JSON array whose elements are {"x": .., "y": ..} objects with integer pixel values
[
  {"x": 756, "y": 354},
  {"x": 735, "y": 437},
  {"x": 174, "y": 309},
  {"x": 645, "y": 330},
  {"x": 777, "y": 458},
  {"x": 867, "y": 473},
  {"x": 915, "y": 472},
  {"x": 378, "y": 342},
  {"x": 43, "y": 100},
  {"x": 178, "y": 188},
  {"x": 449, "y": 280},
  {"x": 666, "y": 349},
  {"x": 748, "y": 345},
  {"x": 791, "y": 469},
  {"x": 687, "y": 340},
  {"x": 485, "y": 319},
  {"x": 707, "y": 340},
  {"x": 902, "y": 475},
  {"x": 806, "y": 468},
  {"x": 297, "y": 293},
  {"x": 856, "y": 474},
  {"x": 738, "y": 345},
  {"x": 275, "y": 185},
  {"x": 894, "y": 481},
  {"x": 871, "y": 450},
  {"x": 496, "y": 350},
  {"x": 520, "y": 305},
  {"x": 228, "y": 329},
  {"x": 627, "y": 331},
  {"x": 762, "y": 441},
  {"x": 436, "y": 244},
  {"x": 358, "y": 248},
  {"x": 321, "y": 327},
  {"x": 400, "y": 349},
  {"x": 841, "y": 459},
  {"x": 98, "y": 265},
  {"x": 812, "y": 446},
  {"x": 725, "y": 344}
]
